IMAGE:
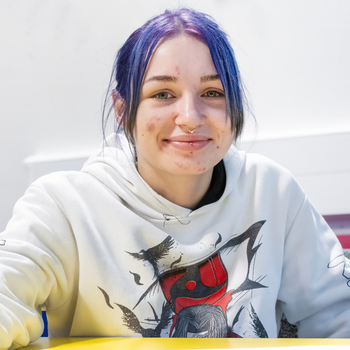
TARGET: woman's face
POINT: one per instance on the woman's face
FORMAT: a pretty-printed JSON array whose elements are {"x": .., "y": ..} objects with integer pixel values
[{"x": 181, "y": 91}]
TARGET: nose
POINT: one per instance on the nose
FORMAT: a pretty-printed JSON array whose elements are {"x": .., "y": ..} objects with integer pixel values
[{"x": 189, "y": 112}]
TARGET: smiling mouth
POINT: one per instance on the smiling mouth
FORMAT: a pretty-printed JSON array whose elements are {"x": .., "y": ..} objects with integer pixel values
[{"x": 188, "y": 145}]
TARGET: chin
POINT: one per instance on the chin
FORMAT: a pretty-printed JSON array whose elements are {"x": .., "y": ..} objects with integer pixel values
[{"x": 192, "y": 167}]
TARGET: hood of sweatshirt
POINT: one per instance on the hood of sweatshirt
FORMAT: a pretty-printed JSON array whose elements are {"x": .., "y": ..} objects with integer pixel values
[{"x": 114, "y": 165}]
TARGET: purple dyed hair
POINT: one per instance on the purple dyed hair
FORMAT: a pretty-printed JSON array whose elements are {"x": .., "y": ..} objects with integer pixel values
[{"x": 133, "y": 57}]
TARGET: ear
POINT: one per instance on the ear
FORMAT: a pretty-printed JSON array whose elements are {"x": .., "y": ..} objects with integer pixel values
[{"x": 118, "y": 106}]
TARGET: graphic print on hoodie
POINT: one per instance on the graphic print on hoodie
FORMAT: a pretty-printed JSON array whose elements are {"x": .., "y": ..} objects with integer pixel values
[{"x": 195, "y": 295}]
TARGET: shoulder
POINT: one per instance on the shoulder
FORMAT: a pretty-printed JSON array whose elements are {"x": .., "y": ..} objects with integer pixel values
[
  {"x": 253, "y": 164},
  {"x": 55, "y": 196},
  {"x": 272, "y": 174},
  {"x": 262, "y": 165},
  {"x": 61, "y": 184},
  {"x": 262, "y": 174},
  {"x": 61, "y": 178}
]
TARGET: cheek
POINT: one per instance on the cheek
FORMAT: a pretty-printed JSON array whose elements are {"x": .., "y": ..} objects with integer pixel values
[
  {"x": 152, "y": 123},
  {"x": 229, "y": 138},
  {"x": 150, "y": 126},
  {"x": 226, "y": 140}
]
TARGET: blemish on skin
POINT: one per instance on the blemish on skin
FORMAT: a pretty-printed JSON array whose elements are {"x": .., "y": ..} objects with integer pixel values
[
  {"x": 179, "y": 165},
  {"x": 143, "y": 135},
  {"x": 150, "y": 127},
  {"x": 217, "y": 147}
]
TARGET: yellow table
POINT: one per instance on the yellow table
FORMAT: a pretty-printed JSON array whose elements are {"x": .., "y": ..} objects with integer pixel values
[{"x": 173, "y": 343}]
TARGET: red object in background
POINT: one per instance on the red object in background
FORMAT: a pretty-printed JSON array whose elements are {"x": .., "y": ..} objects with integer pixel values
[
  {"x": 340, "y": 224},
  {"x": 344, "y": 241}
]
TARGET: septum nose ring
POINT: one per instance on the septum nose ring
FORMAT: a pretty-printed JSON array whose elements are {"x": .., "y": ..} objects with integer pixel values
[{"x": 191, "y": 131}]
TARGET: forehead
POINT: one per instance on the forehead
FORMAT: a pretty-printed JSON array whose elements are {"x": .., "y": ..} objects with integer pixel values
[{"x": 181, "y": 54}]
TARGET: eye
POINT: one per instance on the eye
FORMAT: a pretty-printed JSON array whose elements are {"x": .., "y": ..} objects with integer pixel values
[
  {"x": 213, "y": 94},
  {"x": 163, "y": 95}
]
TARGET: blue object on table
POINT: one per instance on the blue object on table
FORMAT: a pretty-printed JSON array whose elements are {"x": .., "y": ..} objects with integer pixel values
[{"x": 45, "y": 333}]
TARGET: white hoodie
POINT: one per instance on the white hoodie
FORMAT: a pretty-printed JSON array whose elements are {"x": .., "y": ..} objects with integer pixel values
[{"x": 107, "y": 256}]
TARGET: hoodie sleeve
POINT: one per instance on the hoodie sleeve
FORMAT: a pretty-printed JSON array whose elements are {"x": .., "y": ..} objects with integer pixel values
[
  {"x": 315, "y": 286},
  {"x": 38, "y": 267}
]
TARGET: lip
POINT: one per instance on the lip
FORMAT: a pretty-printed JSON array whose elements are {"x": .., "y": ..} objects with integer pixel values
[{"x": 188, "y": 142}]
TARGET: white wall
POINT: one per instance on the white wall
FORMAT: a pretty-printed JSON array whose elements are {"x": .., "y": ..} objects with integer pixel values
[{"x": 56, "y": 58}]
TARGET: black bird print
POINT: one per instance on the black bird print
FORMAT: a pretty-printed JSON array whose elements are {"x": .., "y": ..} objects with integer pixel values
[
  {"x": 132, "y": 322},
  {"x": 154, "y": 254},
  {"x": 250, "y": 234}
]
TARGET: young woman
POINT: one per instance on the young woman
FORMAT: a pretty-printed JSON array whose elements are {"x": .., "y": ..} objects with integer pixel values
[{"x": 169, "y": 230}]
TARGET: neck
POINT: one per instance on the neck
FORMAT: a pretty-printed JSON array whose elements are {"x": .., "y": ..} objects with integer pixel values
[{"x": 183, "y": 190}]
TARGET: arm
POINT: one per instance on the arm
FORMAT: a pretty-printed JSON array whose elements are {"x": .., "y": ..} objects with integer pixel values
[
  {"x": 314, "y": 291},
  {"x": 38, "y": 267}
]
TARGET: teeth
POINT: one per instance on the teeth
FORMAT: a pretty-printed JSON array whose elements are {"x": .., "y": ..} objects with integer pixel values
[{"x": 191, "y": 143}]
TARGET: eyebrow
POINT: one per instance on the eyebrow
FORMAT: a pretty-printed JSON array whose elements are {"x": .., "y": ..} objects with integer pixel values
[
  {"x": 162, "y": 78},
  {"x": 209, "y": 78},
  {"x": 171, "y": 79}
]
